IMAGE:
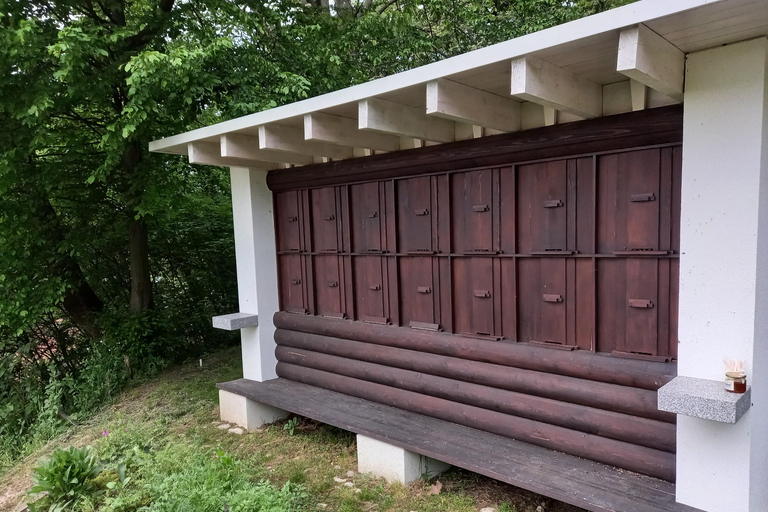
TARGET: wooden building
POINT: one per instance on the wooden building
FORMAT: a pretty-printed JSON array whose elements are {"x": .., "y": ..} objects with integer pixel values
[{"x": 496, "y": 261}]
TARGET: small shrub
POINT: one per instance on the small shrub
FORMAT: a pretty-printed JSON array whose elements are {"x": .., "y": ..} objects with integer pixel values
[
  {"x": 67, "y": 477},
  {"x": 290, "y": 425}
]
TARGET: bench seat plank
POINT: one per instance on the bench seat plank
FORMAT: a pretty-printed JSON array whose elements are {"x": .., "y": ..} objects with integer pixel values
[{"x": 590, "y": 485}]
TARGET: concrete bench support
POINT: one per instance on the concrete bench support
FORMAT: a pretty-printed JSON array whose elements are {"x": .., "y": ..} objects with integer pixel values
[
  {"x": 393, "y": 463},
  {"x": 247, "y": 413}
]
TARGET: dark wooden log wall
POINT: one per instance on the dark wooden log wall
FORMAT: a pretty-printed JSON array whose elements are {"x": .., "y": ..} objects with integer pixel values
[{"x": 526, "y": 294}]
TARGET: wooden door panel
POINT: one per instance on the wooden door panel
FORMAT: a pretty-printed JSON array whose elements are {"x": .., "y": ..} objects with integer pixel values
[
  {"x": 551, "y": 322},
  {"x": 371, "y": 286},
  {"x": 417, "y": 292},
  {"x": 642, "y": 306},
  {"x": 292, "y": 284},
  {"x": 509, "y": 301},
  {"x": 474, "y": 295},
  {"x": 542, "y": 300},
  {"x": 367, "y": 217},
  {"x": 288, "y": 221},
  {"x": 415, "y": 215},
  {"x": 635, "y": 202},
  {"x": 328, "y": 285},
  {"x": 473, "y": 211},
  {"x": 641, "y": 169},
  {"x": 325, "y": 220},
  {"x": 637, "y": 307},
  {"x": 542, "y": 207}
]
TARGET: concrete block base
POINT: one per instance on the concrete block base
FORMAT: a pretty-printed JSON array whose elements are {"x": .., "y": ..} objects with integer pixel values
[
  {"x": 393, "y": 463},
  {"x": 247, "y": 413}
]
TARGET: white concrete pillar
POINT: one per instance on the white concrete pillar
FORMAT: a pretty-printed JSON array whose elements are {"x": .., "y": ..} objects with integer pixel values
[
  {"x": 256, "y": 250},
  {"x": 724, "y": 271},
  {"x": 393, "y": 463},
  {"x": 256, "y": 253}
]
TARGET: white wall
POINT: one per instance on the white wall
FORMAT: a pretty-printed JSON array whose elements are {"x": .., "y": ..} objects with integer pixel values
[
  {"x": 723, "y": 266},
  {"x": 255, "y": 249}
]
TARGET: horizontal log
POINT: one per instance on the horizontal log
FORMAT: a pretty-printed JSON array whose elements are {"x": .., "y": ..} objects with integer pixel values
[
  {"x": 635, "y": 129},
  {"x": 623, "y": 427},
  {"x": 584, "y": 365},
  {"x": 629, "y": 456},
  {"x": 611, "y": 397}
]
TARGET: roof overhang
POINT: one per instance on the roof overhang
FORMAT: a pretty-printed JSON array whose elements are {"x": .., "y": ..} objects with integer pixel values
[{"x": 629, "y": 58}]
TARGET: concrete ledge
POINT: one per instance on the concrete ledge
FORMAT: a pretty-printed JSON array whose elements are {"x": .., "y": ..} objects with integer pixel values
[
  {"x": 235, "y": 321},
  {"x": 702, "y": 398},
  {"x": 393, "y": 463},
  {"x": 247, "y": 413}
]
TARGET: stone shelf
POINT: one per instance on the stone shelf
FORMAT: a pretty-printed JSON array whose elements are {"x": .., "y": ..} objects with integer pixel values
[
  {"x": 235, "y": 321},
  {"x": 702, "y": 398}
]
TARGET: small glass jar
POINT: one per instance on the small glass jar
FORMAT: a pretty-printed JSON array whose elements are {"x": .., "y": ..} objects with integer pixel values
[{"x": 736, "y": 382}]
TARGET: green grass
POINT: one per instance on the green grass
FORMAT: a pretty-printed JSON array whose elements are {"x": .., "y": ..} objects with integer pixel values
[{"x": 164, "y": 434}]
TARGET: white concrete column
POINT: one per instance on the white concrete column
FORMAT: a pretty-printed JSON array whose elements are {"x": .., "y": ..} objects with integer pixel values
[
  {"x": 724, "y": 271},
  {"x": 256, "y": 250},
  {"x": 393, "y": 463}
]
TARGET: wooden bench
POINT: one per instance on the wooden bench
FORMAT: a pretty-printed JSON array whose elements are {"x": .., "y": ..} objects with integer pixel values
[{"x": 587, "y": 484}]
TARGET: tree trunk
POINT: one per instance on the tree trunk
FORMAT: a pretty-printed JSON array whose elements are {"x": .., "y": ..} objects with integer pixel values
[
  {"x": 142, "y": 298},
  {"x": 141, "y": 280}
]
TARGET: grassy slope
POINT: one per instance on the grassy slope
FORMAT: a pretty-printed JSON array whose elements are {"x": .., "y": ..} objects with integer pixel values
[{"x": 178, "y": 410}]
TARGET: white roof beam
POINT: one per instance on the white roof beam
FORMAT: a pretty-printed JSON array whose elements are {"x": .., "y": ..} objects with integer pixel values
[
  {"x": 209, "y": 153},
  {"x": 287, "y": 138},
  {"x": 639, "y": 94},
  {"x": 459, "y": 102},
  {"x": 393, "y": 118},
  {"x": 653, "y": 61},
  {"x": 541, "y": 82},
  {"x": 319, "y": 126},
  {"x": 235, "y": 145}
]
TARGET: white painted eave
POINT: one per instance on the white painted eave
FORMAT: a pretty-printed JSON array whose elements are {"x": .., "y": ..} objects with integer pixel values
[{"x": 689, "y": 25}]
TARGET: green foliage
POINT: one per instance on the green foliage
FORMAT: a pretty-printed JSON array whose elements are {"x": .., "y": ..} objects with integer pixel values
[
  {"x": 189, "y": 479},
  {"x": 290, "y": 425},
  {"x": 66, "y": 478}
]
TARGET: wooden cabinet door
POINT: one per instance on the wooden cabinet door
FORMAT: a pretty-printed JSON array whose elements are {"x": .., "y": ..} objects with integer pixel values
[
  {"x": 371, "y": 289},
  {"x": 292, "y": 283},
  {"x": 637, "y": 304},
  {"x": 475, "y": 296},
  {"x": 556, "y": 301},
  {"x": 415, "y": 215},
  {"x": 367, "y": 217},
  {"x": 474, "y": 210},
  {"x": 288, "y": 221},
  {"x": 542, "y": 303},
  {"x": 418, "y": 292},
  {"x": 328, "y": 286},
  {"x": 638, "y": 195},
  {"x": 325, "y": 220},
  {"x": 542, "y": 207}
]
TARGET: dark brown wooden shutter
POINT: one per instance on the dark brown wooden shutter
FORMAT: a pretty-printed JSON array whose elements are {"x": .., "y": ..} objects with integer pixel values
[
  {"x": 419, "y": 292},
  {"x": 415, "y": 216},
  {"x": 367, "y": 217},
  {"x": 329, "y": 285},
  {"x": 477, "y": 296},
  {"x": 325, "y": 220},
  {"x": 371, "y": 289},
  {"x": 292, "y": 284},
  {"x": 288, "y": 222},
  {"x": 474, "y": 211},
  {"x": 542, "y": 207}
]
